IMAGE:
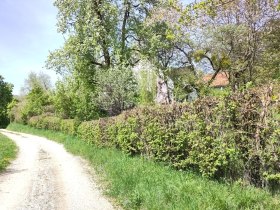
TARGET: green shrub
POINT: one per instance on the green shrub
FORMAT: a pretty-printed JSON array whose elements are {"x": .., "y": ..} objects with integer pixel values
[
  {"x": 96, "y": 132},
  {"x": 36, "y": 121},
  {"x": 236, "y": 138},
  {"x": 219, "y": 138},
  {"x": 89, "y": 132},
  {"x": 127, "y": 136},
  {"x": 69, "y": 126},
  {"x": 51, "y": 123},
  {"x": 137, "y": 183}
]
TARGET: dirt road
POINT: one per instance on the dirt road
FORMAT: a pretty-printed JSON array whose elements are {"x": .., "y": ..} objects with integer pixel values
[{"x": 45, "y": 177}]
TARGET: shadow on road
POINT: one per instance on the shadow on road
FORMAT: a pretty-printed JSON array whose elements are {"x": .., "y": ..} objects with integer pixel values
[{"x": 11, "y": 171}]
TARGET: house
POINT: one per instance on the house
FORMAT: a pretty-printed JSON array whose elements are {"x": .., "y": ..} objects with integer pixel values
[{"x": 221, "y": 80}]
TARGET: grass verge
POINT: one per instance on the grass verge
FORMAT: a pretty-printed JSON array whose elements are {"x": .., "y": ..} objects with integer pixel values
[
  {"x": 137, "y": 183},
  {"x": 8, "y": 151}
]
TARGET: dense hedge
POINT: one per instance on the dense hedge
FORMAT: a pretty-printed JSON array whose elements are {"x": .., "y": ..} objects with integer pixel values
[
  {"x": 68, "y": 126},
  {"x": 237, "y": 137}
]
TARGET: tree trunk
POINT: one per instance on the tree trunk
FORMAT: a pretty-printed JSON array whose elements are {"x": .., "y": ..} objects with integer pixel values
[{"x": 163, "y": 92}]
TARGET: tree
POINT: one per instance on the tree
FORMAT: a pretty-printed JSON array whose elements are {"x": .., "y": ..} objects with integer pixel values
[
  {"x": 269, "y": 66},
  {"x": 100, "y": 35},
  {"x": 116, "y": 90},
  {"x": 34, "y": 80},
  {"x": 102, "y": 39},
  {"x": 36, "y": 98},
  {"x": 167, "y": 44},
  {"x": 72, "y": 99},
  {"x": 232, "y": 35},
  {"x": 6, "y": 97},
  {"x": 147, "y": 78}
]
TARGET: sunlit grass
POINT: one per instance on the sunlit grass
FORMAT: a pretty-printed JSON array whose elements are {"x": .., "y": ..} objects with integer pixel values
[{"x": 8, "y": 151}]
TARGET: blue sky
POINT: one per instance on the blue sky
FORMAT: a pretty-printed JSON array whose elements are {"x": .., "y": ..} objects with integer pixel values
[{"x": 27, "y": 34}]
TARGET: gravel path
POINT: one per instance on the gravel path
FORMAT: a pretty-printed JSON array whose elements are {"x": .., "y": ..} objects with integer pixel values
[{"x": 45, "y": 177}]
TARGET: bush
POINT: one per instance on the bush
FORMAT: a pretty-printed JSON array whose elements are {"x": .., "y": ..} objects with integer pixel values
[
  {"x": 96, "y": 132},
  {"x": 51, "y": 123},
  {"x": 69, "y": 126},
  {"x": 112, "y": 97},
  {"x": 90, "y": 132},
  {"x": 236, "y": 138},
  {"x": 36, "y": 121}
]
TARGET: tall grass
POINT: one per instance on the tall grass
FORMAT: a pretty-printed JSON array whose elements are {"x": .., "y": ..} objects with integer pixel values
[
  {"x": 8, "y": 151},
  {"x": 137, "y": 183}
]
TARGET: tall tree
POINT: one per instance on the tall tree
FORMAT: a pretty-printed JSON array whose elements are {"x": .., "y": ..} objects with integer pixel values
[
  {"x": 36, "y": 79},
  {"x": 116, "y": 90},
  {"x": 35, "y": 98},
  {"x": 100, "y": 34},
  {"x": 232, "y": 34},
  {"x": 269, "y": 64},
  {"x": 72, "y": 99},
  {"x": 167, "y": 44},
  {"x": 6, "y": 97}
]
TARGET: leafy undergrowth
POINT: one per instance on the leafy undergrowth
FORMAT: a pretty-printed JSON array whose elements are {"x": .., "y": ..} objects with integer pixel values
[
  {"x": 8, "y": 151},
  {"x": 137, "y": 183}
]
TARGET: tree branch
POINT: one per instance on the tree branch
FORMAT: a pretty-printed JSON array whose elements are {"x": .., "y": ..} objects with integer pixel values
[
  {"x": 96, "y": 63},
  {"x": 216, "y": 70},
  {"x": 125, "y": 18}
]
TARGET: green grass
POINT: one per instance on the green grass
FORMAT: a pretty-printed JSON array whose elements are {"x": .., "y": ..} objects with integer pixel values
[
  {"x": 137, "y": 183},
  {"x": 8, "y": 151}
]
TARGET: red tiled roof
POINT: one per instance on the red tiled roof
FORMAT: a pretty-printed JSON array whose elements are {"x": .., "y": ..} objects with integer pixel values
[{"x": 221, "y": 80}]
